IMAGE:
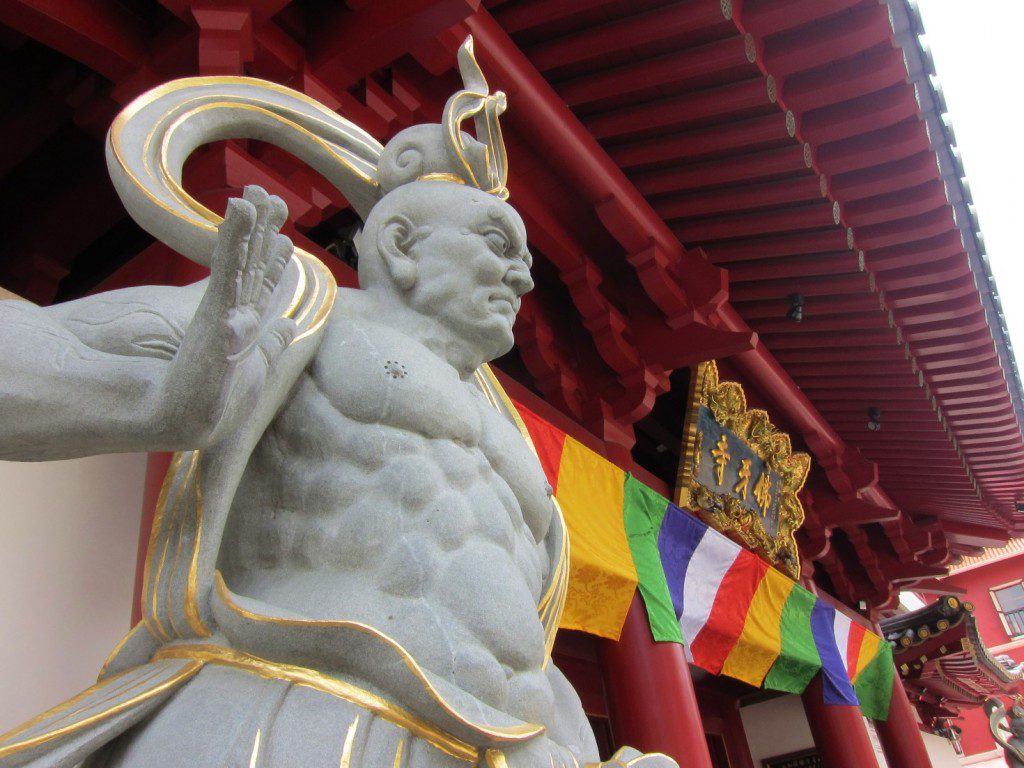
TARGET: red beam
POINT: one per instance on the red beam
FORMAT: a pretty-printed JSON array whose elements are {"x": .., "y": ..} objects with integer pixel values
[
  {"x": 814, "y": 45},
  {"x": 346, "y": 45},
  {"x": 804, "y": 188},
  {"x": 768, "y": 17},
  {"x": 821, "y": 286},
  {"x": 872, "y": 149},
  {"x": 836, "y": 305},
  {"x": 813, "y": 216},
  {"x": 843, "y": 80},
  {"x": 974, "y": 535},
  {"x": 700, "y": 66},
  {"x": 743, "y": 168},
  {"x": 899, "y": 204},
  {"x": 103, "y": 35},
  {"x": 530, "y": 14},
  {"x": 720, "y": 104},
  {"x": 740, "y": 136},
  {"x": 631, "y": 33},
  {"x": 859, "y": 116}
]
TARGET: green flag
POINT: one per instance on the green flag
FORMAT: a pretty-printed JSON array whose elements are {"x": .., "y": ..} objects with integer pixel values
[
  {"x": 642, "y": 513},
  {"x": 798, "y": 659},
  {"x": 874, "y": 684}
]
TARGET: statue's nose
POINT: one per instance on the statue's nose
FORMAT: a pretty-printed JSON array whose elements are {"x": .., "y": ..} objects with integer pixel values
[{"x": 519, "y": 280}]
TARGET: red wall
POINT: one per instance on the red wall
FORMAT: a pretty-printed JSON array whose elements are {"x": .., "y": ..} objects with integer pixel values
[{"x": 976, "y": 737}]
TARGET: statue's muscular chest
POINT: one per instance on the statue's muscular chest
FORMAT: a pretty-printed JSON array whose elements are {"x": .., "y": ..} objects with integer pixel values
[
  {"x": 383, "y": 488},
  {"x": 391, "y": 395}
]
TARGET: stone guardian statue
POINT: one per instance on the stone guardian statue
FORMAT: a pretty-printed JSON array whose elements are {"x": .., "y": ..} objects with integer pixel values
[
  {"x": 1013, "y": 748},
  {"x": 356, "y": 560}
]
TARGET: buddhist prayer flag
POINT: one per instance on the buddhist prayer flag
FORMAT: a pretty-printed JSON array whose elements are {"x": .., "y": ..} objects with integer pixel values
[
  {"x": 643, "y": 514},
  {"x": 798, "y": 660},
  {"x": 759, "y": 646},
  {"x": 874, "y": 683},
  {"x": 735, "y": 614},
  {"x": 831, "y": 630},
  {"x": 589, "y": 489}
]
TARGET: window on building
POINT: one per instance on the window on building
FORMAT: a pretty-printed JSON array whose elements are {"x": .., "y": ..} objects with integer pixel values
[{"x": 1009, "y": 600}]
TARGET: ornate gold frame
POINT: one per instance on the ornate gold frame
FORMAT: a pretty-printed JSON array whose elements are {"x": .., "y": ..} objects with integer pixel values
[{"x": 728, "y": 404}]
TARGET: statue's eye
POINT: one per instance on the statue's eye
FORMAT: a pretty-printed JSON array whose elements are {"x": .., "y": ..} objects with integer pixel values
[{"x": 497, "y": 241}]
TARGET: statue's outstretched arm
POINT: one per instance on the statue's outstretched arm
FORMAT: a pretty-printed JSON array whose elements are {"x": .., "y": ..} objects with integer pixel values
[{"x": 148, "y": 368}]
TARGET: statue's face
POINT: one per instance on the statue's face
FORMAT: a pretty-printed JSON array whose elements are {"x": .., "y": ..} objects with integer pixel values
[
  {"x": 472, "y": 267},
  {"x": 1017, "y": 727}
]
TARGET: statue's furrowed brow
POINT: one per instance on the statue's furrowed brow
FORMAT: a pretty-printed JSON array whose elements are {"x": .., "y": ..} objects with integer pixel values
[{"x": 510, "y": 227}]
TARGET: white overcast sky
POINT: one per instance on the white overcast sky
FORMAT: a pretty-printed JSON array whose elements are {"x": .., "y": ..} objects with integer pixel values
[{"x": 976, "y": 47}]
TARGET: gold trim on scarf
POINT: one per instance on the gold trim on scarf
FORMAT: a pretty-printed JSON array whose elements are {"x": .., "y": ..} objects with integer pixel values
[
  {"x": 117, "y": 686},
  {"x": 515, "y": 733},
  {"x": 218, "y": 654},
  {"x": 552, "y": 603}
]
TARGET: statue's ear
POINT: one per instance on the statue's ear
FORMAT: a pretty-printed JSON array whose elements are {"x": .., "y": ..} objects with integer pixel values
[{"x": 394, "y": 241}]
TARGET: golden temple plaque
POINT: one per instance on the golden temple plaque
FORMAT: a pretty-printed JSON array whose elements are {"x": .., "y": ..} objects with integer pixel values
[{"x": 739, "y": 473}]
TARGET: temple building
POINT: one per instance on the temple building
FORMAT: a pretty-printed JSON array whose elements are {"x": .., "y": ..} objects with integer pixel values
[{"x": 765, "y": 364}]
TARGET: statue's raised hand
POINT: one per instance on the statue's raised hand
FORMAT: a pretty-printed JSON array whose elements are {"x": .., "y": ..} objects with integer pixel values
[{"x": 232, "y": 342}]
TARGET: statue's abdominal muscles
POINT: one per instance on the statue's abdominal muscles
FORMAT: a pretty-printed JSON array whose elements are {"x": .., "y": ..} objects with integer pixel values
[{"x": 376, "y": 498}]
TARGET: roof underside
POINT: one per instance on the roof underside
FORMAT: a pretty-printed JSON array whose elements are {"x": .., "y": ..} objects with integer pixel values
[{"x": 801, "y": 146}]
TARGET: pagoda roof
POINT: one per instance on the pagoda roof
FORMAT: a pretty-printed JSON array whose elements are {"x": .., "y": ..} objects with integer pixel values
[{"x": 943, "y": 660}]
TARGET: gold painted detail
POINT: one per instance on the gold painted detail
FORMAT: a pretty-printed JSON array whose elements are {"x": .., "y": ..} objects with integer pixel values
[
  {"x": 172, "y": 115},
  {"x": 346, "y": 749},
  {"x": 255, "y": 756},
  {"x": 495, "y": 759},
  {"x": 171, "y": 572},
  {"x": 117, "y": 649},
  {"x": 476, "y": 102},
  {"x": 442, "y": 177},
  {"x": 744, "y": 479},
  {"x": 721, "y": 454},
  {"x": 107, "y": 698},
  {"x": 512, "y": 734},
  {"x": 552, "y": 603},
  {"x": 763, "y": 490},
  {"x": 726, "y": 508},
  {"x": 311, "y": 678}
]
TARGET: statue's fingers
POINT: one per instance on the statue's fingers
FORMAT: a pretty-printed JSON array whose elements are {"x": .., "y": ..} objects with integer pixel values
[
  {"x": 277, "y": 211},
  {"x": 229, "y": 255},
  {"x": 252, "y": 272},
  {"x": 275, "y": 339},
  {"x": 280, "y": 252}
]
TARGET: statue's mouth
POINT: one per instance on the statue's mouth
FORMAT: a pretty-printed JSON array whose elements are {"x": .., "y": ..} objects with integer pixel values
[{"x": 502, "y": 300}]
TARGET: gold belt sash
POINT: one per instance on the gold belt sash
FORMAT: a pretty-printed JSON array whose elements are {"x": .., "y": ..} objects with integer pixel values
[{"x": 311, "y": 678}]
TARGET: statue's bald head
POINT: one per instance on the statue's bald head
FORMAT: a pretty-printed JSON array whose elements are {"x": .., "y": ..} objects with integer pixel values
[
  {"x": 410, "y": 213},
  {"x": 452, "y": 254}
]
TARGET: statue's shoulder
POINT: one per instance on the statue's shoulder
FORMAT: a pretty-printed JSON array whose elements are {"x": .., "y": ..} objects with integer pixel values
[
  {"x": 373, "y": 372},
  {"x": 358, "y": 334}
]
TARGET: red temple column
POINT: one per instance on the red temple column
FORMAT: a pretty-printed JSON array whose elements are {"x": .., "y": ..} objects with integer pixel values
[
  {"x": 839, "y": 731},
  {"x": 737, "y": 745},
  {"x": 651, "y": 700},
  {"x": 900, "y": 734}
]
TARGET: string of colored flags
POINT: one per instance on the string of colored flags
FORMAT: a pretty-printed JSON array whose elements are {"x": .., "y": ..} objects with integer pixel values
[{"x": 735, "y": 614}]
